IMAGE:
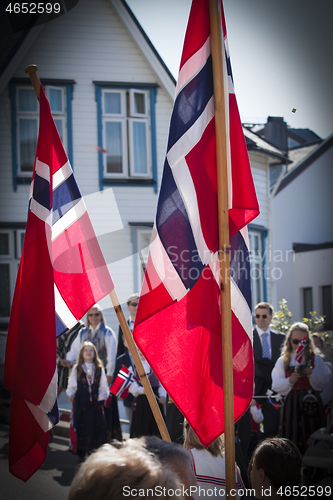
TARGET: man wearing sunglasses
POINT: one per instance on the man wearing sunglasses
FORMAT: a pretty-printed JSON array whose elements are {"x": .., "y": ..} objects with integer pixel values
[{"x": 266, "y": 350}]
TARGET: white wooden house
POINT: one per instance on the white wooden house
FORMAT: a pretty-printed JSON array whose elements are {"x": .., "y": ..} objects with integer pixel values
[{"x": 107, "y": 87}]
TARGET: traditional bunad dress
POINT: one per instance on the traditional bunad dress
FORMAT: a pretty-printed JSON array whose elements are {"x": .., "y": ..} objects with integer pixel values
[
  {"x": 90, "y": 390},
  {"x": 303, "y": 411}
]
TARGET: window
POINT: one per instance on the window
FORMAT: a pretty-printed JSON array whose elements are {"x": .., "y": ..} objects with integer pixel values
[
  {"x": 140, "y": 237},
  {"x": 11, "y": 243},
  {"x": 126, "y": 134},
  {"x": 307, "y": 302},
  {"x": 257, "y": 268},
  {"x": 126, "y": 124},
  {"x": 144, "y": 237},
  {"x": 25, "y": 117},
  {"x": 327, "y": 306},
  {"x": 27, "y": 129}
]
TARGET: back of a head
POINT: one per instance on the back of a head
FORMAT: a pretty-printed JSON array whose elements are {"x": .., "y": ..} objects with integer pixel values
[
  {"x": 173, "y": 456},
  {"x": 191, "y": 440},
  {"x": 281, "y": 461},
  {"x": 112, "y": 472}
]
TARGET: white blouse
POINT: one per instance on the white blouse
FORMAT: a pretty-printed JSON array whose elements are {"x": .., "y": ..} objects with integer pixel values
[
  {"x": 281, "y": 384},
  {"x": 103, "y": 390}
]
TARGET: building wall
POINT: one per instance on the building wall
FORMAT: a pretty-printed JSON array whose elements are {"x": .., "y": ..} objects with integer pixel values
[
  {"x": 90, "y": 44},
  {"x": 301, "y": 213},
  {"x": 260, "y": 171}
]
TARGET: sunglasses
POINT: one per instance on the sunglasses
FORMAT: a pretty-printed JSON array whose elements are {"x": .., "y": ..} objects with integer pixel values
[
  {"x": 264, "y": 316},
  {"x": 134, "y": 304},
  {"x": 93, "y": 314},
  {"x": 295, "y": 341}
]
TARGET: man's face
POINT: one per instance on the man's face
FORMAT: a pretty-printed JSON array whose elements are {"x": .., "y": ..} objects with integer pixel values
[{"x": 263, "y": 318}]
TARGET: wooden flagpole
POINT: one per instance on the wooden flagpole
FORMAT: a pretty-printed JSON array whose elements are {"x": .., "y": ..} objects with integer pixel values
[
  {"x": 224, "y": 257},
  {"x": 31, "y": 71},
  {"x": 142, "y": 374}
]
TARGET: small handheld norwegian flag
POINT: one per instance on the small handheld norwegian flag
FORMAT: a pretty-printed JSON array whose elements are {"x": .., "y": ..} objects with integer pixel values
[{"x": 301, "y": 348}]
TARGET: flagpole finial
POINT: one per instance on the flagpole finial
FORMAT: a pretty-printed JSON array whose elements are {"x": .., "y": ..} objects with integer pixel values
[{"x": 31, "y": 70}]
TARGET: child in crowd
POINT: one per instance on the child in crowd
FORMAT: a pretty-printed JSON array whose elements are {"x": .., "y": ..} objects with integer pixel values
[{"x": 87, "y": 391}]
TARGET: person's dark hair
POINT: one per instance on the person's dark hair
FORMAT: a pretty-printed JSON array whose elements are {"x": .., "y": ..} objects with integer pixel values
[
  {"x": 170, "y": 454},
  {"x": 265, "y": 305},
  {"x": 281, "y": 461}
]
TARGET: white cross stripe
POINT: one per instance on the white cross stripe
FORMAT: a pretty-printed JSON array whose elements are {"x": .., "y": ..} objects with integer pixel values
[
  {"x": 241, "y": 309},
  {"x": 42, "y": 170},
  {"x": 41, "y": 212},
  {"x": 62, "y": 174},
  {"x": 193, "y": 66},
  {"x": 68, "y": 219},
  {"x": 62, "y": 310}
]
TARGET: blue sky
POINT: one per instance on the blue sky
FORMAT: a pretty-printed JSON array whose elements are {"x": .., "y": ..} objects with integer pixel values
[{"x": 281, "y": 54}]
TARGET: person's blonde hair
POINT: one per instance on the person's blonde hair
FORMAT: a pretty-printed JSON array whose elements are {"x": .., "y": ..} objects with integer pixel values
[
  {"x": 87, "y": 322},
  {"x": 97, "y": 360},
  {"x": 287, "y": 348},
  {"x": 191, "y": 440},
  {"x": 108, "y": 470}
]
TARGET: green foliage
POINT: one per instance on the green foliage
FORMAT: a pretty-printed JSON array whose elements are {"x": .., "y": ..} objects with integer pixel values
[
  {"x": 282, "y": 319},
  {"x": 282, "y": 322},
  {"x": 315, "y": 322}
]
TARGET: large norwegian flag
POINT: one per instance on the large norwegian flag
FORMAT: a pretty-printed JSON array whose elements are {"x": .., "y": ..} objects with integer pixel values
[
  {"x": 62, "y": 274},
  {"x": 178, "y": 322}
]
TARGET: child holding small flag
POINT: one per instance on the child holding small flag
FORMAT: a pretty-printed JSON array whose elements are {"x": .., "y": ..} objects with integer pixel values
[
  {"x": 299, "y": 374},
  {"x": 87, "y": 391}
]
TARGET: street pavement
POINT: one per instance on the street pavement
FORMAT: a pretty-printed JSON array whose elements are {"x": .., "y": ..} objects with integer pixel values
[
  {"x": 53, "y": 479},
  {"x": 50, "y": 482}
]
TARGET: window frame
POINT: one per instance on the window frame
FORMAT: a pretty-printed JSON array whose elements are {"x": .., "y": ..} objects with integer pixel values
[
  {"x": 262, "y": 234},
  {"x": 114, "y": 118},
  {"x": 129, "y": 177},
  {"x": 148, "y": 174},
  {"x": 24, "y": 115},
  {"x": 67, "y": 87},
  {"x": 12, "y": 260},
  {"x": 10, "y": 245},
  {"x": 137, "y": 229},
  {"x": 305, "y": 291}
]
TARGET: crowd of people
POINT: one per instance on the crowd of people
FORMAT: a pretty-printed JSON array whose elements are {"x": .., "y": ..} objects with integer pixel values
[{"x": 293, "y": 385}]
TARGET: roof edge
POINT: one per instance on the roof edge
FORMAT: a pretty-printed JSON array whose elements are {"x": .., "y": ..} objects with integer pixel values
[{"x": 305, "y": 163}]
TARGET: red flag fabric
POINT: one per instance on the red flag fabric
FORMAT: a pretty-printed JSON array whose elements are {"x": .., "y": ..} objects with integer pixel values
[
  {"x": 121, "y": 385},
  {"x": 50, "y": 296},
  {"x": 178, "y": 322}
]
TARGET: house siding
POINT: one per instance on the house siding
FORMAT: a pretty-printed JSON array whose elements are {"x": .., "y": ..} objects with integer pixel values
[
  {"x": 301, "y": 214},
  {"x": 90, "y": 43}
]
